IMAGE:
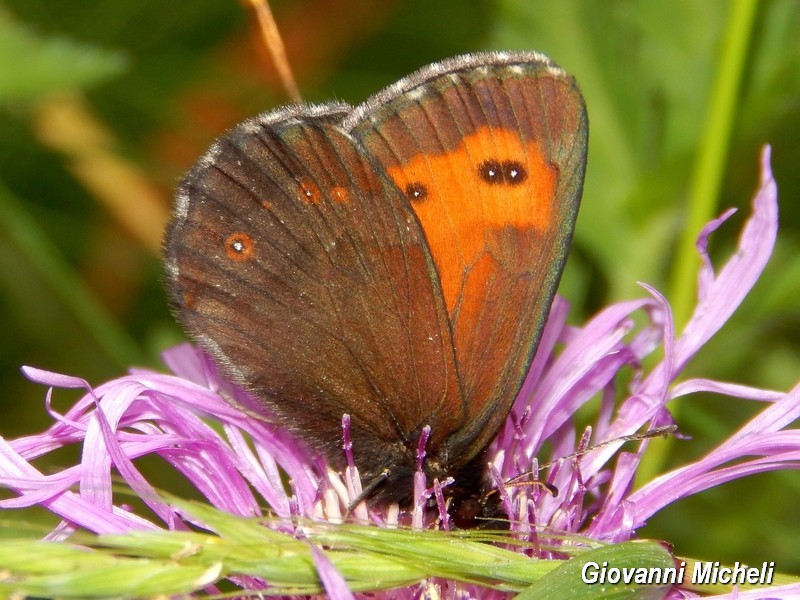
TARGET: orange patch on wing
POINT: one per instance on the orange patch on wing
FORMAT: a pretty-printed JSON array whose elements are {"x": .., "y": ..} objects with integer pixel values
[
  {"x": 188, "y": 296},
  {"x": 340, "y": 194},
  {"x": 309, "y": 191},
  {"x": 491, "y": 181},
  {"x": 239, "y": 246}
]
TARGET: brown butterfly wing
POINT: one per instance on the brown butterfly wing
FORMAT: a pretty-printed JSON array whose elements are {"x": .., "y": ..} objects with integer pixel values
[
  {"x": 300, "y": 267},
  {"x": 490, "y": 149}
]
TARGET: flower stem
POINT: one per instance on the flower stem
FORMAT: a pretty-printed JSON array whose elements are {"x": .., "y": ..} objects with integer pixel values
[{"x": 712, "y": 154}]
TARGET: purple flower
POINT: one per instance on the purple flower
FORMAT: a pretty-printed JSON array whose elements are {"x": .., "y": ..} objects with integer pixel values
[{"x": 243, "y": 463}]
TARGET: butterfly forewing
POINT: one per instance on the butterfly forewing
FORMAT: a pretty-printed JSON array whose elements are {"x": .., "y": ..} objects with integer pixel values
[
  {"x": 299, "y": 266},
  {"x": 490, "y": 152}
]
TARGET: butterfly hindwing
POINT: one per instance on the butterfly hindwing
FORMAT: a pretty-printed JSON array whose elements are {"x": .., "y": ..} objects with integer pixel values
[{"x": 299, "y": 266}]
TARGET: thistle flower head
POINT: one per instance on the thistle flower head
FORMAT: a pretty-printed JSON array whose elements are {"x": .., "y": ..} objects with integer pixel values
[{"x": 209, "y": 432}]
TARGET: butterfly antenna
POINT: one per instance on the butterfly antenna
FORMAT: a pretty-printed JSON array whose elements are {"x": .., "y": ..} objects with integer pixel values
[
  {"x": 274, "y": 43},
  {"x": 634, "y": 437}
]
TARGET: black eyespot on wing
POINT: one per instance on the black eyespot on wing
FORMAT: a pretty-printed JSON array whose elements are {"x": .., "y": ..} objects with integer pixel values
[
  {"x": 513, "y": 172},
  {"x": 507, "y": 172},
  {"x": 416, "y": 191},
  {"x": 491, "y": 171}
]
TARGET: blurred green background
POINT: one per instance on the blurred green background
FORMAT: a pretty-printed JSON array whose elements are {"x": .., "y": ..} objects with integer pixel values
[{"x": 103, "y": 105}]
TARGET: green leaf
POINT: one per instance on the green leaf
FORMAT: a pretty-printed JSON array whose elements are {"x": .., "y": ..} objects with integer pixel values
[
  {"x": 32, "y": 65},
  {"x": 566, "y": 582}
]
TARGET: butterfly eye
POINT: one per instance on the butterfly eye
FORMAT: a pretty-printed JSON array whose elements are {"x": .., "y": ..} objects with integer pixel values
[
  {"x": 239, "y": 246},
  {"x": 416, "y": 191}
]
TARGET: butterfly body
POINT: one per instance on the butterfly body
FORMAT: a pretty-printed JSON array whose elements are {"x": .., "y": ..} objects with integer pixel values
[{"x": 395, "y": 262}]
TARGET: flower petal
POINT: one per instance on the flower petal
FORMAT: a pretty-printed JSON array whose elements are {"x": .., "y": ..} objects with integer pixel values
[{"x": 721, "y": 294}]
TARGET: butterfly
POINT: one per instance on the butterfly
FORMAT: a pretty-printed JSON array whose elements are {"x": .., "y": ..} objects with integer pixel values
[{"x": 394, "y": 262}]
